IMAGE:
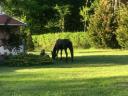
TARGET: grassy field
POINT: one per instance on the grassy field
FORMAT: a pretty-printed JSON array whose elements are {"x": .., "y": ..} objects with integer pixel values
[{"x": 93, "y": 73}]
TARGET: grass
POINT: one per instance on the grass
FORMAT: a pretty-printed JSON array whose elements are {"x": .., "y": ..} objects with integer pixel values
[{"x": 93, "y": 73}]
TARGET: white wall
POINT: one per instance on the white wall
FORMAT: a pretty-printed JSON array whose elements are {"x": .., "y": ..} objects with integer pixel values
[{"x": 13, "y": 51}]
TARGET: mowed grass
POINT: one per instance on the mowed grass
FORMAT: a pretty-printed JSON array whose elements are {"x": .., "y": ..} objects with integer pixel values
[{"x": 93, "y": 73}]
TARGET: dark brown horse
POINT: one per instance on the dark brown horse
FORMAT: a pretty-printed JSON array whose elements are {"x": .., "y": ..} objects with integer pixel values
[{"x": 62, "y": 44}]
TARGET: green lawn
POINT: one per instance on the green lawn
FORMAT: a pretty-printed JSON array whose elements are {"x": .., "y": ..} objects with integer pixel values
[{"x": 93, "y": 73}]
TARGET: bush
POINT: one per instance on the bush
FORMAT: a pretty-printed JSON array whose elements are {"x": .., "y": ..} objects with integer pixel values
[
  {"x": 29, "y": 43},
  {"x": 27, "y": 60},
  {"x": 102, "y": 26},
  {"x": 122, "y": 30},
  {"x": 47, "y": 41}
]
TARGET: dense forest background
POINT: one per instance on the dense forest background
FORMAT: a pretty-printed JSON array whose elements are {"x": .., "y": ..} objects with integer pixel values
[
  {"x": 104, "y": 21},
  {"x": 41, "y": 15}
]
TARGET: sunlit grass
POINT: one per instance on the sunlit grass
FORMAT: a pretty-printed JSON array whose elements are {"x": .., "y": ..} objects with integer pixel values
[{"x": 93, "y": 73}]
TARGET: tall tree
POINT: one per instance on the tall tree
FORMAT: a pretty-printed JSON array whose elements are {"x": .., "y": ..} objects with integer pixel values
[
  {"x": 122, "y": 30},
  {"x": 84, "y": 12},
  {"x": 38, "y": 13},
  {"x": 62, "y": 11}
]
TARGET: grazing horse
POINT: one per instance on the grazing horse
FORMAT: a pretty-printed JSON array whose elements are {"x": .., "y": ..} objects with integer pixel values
[{"x": 62, "y": 44}]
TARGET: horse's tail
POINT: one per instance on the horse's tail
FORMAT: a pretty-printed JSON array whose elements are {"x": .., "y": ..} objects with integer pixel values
[{"x": 71, "y": 51}]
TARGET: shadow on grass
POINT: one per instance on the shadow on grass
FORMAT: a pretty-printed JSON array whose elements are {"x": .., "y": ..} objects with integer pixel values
[
  {"x": 82, "y": 61},
  {"x": 101, "y": 51},
  {"x": 102, "y": 59},
  {"x": 5, "y": 69},
  {"x": 91, "y": 61},
  {"x": 109, "y": 86}
]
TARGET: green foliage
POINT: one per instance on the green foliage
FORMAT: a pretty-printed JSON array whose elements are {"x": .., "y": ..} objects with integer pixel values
[
  {"x": 84, "y": 12},
  {"x": 1, "y": 7},
  {"x": 102, "y": 26},
  {"x": 53, "y": 25},
  {"x": 27, "y": 60},
  {"x": 44, "y": 9},
  {"x": 122, "y": 30},
  {"x": 99, "y": 17},
  {"x": 62, "y": 11},
  {"x": 29, "y": 42},
  {"x": 47, "y": 41}
]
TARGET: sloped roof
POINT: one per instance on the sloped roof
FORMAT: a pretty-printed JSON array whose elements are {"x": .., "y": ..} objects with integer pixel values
[{"x": 7, "y": 20}]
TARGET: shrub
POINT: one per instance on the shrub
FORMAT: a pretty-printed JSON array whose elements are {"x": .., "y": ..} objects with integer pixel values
[
  {"x": 102, "y": 26},
  {"x": 122, "y": 30},
  {"x": 29, "y": 43},
  {"x": 47, "y": 41},
  {"x": 27, "y": 60}
]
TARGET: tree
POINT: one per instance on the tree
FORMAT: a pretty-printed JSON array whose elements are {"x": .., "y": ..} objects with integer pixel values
[
  {"x": 1, "y": 6},
  {"x": 45, "y": 13},
  {"x": 84, "y": 12},
  {"x": 122, "y": 30},
  {"x": 62, "y": 11},
  {"x": 29, "y": 42},
  {"x": 103, "y": 26}
]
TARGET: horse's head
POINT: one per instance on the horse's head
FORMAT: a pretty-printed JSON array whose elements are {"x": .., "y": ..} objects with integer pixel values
[{"x": 54, "y": 55}]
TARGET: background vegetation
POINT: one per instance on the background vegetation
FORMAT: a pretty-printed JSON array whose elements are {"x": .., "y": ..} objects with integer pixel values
[
  {"x": 47, "y": 16},
  {"x": 93, "y": 72},
  {"x": 26, "y": 60},
  {"x": 47, "y": 41},
  {"x": 105, "y": 21},
  {"x": 122, "y": 30}
]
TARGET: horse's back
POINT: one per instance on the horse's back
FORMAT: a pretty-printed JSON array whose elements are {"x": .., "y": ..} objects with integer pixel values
[
  {"x": 63, "y": 43},
  {"x": 68, "y": 42}
]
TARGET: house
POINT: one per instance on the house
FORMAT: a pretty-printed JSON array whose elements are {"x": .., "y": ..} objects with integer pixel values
[{"x": 10, "y": 36}]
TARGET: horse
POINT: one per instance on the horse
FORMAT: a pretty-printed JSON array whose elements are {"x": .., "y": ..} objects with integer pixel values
[{"x": 62, "y": 44}]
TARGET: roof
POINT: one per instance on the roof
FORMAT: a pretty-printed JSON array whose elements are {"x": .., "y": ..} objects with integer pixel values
[{"x": 7, "y": 20}]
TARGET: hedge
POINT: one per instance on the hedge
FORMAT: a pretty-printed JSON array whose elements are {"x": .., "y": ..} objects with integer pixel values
[
  {"x": 47, "y": 41},
  {"x": 27, "y": 60}
]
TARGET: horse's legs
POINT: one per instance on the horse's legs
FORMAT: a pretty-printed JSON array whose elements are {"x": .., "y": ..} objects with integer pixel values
[
  {"x": 61, "y": 54},
  {"x": 71, "y": 51},
  {"x": 66, "y": 54},
  {"x": 57, "y": 53}
]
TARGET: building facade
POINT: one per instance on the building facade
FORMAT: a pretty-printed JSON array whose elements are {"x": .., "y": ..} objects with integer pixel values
[{"x": 10, "y": 32}]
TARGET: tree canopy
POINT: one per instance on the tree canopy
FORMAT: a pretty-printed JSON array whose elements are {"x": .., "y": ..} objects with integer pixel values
[{"x": 38, "y": 13}]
